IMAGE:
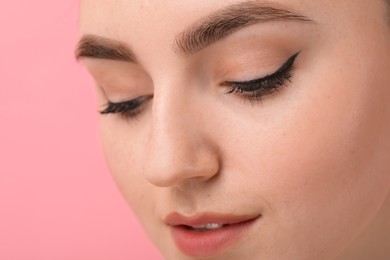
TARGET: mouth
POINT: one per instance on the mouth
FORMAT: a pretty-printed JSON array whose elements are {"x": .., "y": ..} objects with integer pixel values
[
  {"x": 207, "y": 227},
  {"x": 208, "y": 234}
]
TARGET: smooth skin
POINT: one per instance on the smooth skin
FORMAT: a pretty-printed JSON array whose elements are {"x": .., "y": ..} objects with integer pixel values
[{"x": 312, "y": 158}]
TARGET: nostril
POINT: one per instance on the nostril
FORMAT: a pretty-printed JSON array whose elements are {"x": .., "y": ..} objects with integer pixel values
[
  {"x": 173, "y": 169},
  {"x": 178, "y": 149}
]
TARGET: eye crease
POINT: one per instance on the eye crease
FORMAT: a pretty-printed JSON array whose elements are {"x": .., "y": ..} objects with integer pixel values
[{"x": 250, "y": 90}]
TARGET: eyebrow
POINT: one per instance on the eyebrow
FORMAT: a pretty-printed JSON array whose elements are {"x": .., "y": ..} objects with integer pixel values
[
  {"x": 200, "y": 35},
  {"x": 227, "y": 21},
  {"x": 92, "y": 46}
]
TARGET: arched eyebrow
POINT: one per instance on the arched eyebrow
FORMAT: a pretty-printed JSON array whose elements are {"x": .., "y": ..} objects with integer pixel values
[
  {"x": 93, "y": 46},
  {"x": 227, "y": 21},
  {"x": 205, "y": 32}
]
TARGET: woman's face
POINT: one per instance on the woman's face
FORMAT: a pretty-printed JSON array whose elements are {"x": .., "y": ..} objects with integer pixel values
[{"x": 245, "y": 130}]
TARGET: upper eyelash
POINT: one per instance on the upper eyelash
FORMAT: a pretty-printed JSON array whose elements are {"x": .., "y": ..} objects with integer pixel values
[
  {"x": 126, "y": 109},
  {"x": 255, "y": 89},
  {"x": 252, "y": 89}
]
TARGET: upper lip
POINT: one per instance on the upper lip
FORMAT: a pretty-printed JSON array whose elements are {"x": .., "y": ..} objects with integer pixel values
[{"x": 176, "y": 219}]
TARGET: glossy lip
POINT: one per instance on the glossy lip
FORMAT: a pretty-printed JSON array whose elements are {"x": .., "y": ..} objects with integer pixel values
[{"x": 208, "y": 243}]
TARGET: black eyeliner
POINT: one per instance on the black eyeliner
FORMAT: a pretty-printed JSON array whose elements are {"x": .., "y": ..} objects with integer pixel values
[
  {"x": 252, "y": 90},
  {"x": 255, "y": 82}
]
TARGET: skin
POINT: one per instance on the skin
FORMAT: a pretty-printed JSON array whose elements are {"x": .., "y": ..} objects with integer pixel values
[{"x": 313, "y": 158}]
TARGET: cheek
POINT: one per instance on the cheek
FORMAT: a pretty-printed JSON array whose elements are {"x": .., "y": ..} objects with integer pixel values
[
  {"x": 123, "y": 150},
  {"x": 123, "y": 153},
  {"x": 323, "y": 165}
]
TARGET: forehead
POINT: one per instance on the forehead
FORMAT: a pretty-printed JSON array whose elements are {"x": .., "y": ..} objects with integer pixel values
[
  {"x": 149, "y": 25},
  {"x": 146, "y": 21},
  {"x": 129, "y": 19}
]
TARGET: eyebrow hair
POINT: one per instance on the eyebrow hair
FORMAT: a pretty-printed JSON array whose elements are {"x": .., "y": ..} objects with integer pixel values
[
  {"x": 92, "y": 46},
  {"x": 205, "y": 32},
  {"x": 227, "y": 21}
]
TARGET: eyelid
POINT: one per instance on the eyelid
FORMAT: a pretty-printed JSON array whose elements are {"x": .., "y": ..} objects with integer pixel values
[
  {"x": 124, "y": 107},
  {"x": 252, "y": 89},
  {"x": 281, "y": 70}
]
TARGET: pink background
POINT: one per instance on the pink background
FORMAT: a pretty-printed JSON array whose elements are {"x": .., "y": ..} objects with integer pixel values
[{"x": 57, "y": 199}]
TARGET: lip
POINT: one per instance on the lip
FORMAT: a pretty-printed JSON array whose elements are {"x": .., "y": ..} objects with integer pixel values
[{"x": 210, "y": 242}]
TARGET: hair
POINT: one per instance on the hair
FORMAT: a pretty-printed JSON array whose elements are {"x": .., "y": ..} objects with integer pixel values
[
  {"x": 387, "y": 3},
  {"x": 388, "y": 11}
]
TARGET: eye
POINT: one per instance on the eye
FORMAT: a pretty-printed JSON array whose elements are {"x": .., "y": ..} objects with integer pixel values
[
  {"x": 257, "y": 88},
  {"x": 127, "y": 109},
  {"x": 251, "y": 90}
]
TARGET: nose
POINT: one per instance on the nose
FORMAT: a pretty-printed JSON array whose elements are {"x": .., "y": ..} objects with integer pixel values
[{"x": 179, "y": 147}]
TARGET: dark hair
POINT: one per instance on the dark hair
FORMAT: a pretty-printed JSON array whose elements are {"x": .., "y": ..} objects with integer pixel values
[{"x": 387, "y": 3}]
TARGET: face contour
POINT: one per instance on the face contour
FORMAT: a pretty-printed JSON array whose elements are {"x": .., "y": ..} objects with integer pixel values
[{"x": 278, "y": 126}]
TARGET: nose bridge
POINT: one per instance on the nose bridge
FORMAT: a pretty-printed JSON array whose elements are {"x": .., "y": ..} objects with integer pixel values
[{"x": 178, "y": 148}]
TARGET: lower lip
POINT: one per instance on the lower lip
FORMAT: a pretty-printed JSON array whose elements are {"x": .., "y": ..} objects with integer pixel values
[{"x": 208, "y": 243}]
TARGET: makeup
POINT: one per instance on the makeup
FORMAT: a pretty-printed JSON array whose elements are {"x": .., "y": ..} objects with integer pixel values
[
  {"x": 267, "y": 85},
  {"x": 208, "y": 234},
  {"x": 251, "y": 90}
]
